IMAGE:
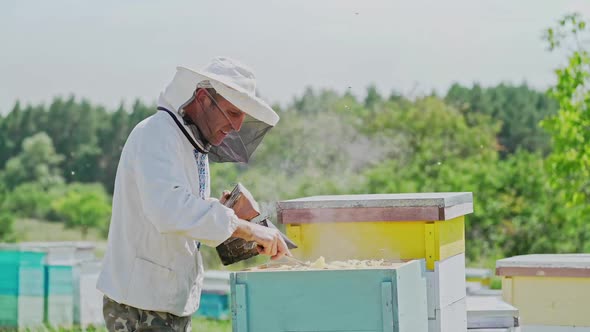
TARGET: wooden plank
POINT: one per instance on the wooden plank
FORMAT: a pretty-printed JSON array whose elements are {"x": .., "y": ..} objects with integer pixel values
[
  {"x": 507, "y": 290},
  {"x": 446, "y": 284},
  {"x": 451, "y": 212},
  {"x": 430, "y": 245},
  {"x": 332, "y": 215},
  {"x": 410, "y": 289},
  {"x": 490, "y": 312},
  {"x": 241, "y": 309},
  {"x": 387, "y": 307},
  {"x": 502, "y": 329},
  {"x": 549, "y": 328},
  {"x": 442, "y": 199},
  {"x": 450, "y": 237},
  {"x": 477, "y": 273},
  {"x": 451, "y": 318},
  {"x": 553, "y": 265},
  {"x": 543, "y": 272},
  {"x": 294, "y": 233},
  {"x": 386, "y": 207}
]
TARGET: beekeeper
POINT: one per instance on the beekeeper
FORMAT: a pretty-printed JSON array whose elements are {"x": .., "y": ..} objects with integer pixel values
[{"x": 162, "y": 210}]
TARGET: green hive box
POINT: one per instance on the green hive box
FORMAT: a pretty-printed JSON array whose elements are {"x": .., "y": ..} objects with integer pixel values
[
  {"x": 21, "y": 288},
  {"x": 369, "y": 300}
]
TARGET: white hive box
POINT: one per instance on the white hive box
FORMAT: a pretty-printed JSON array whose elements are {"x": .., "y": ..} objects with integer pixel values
[
  {"x": 446, "y": 295},
  {"x": 488, "y": 312},
  {"x": 87, "y": 299}
]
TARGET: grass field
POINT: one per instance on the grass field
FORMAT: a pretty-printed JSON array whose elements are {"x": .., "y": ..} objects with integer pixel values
[{"x": 36, "y": 230}]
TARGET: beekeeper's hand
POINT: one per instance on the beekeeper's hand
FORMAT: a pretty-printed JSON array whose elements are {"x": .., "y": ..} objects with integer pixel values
[
  {"x": 269, "y": 240},
  {"x": 224, "y": 196}
]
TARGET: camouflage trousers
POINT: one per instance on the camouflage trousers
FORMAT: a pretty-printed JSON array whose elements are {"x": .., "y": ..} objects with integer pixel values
[{"x": 123, "y": 318}]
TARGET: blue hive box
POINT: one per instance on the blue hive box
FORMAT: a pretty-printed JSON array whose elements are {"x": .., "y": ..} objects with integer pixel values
[{"x": 391, "y": 298}]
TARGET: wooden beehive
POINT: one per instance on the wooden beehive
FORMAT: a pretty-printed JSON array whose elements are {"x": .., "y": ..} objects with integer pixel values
[
  {"x": 215, "y": 295},
  {"x": 373, "y": 299},
  {"x": 87, "y": 299},
  {"x": 68, "y": 275},
  {"x": 552, "y": 291},
  {"x": 21, "y": 288},
  {"x": 490, "y": 313},
  {"x": 396, "y": 226},
  {"x": 428, "y": 226}
]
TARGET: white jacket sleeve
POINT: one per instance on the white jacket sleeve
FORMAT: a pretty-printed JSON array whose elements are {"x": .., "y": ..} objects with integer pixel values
[{"x": 166, "y": 196}]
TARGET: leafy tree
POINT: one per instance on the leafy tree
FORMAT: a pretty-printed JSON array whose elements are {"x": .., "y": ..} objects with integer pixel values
[
  {"x": 18, "y": 124},
  {"x": 84, "y": 206},
  {"x": 373, "y": 97},
  {"x": 6, "y": 218},
  {"x": 32, "y": 200},
  {"x": 569, "y": 163},
  {"x": 518, "y": 108},
  {"x": 38, "y": 162}
]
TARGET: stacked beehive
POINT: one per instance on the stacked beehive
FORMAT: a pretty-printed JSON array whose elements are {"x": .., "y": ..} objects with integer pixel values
[
  {"x": 215, "y": 295},
  {"x": 21, "y": 288},
  {"x": 391, "y": 226},
  {"x": 68, "y": 273},
  {"x": 552, "y": 291},
  {"x": 87, "y": 299}
]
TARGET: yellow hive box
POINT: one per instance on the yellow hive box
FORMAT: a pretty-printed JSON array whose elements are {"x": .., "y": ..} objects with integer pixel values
[
  {"x": 389, "y": 226},
  {"x": 548, "y": 290}
]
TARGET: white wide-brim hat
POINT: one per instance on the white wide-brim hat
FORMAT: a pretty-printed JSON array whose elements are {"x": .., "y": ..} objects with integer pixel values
[{"x": 232, "y": 80}]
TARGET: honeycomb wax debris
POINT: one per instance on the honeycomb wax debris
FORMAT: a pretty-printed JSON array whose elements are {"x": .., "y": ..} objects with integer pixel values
[{"x": 321, "y": 264}]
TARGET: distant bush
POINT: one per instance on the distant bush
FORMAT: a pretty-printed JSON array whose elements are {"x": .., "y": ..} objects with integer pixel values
[
  {"x": 31, "y": 200},
  {"x": 6, "y": 230},
  {"x": 84, "y": 206}
]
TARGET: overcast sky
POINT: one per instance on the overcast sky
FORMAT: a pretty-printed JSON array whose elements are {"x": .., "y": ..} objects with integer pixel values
[{"x": 114, "y": 51}]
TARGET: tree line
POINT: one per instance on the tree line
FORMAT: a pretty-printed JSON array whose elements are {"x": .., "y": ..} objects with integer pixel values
[{"x": 511, "y": 145}]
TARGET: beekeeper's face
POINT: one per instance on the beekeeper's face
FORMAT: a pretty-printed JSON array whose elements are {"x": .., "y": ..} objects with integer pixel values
[{"x": 216, "y": 117}]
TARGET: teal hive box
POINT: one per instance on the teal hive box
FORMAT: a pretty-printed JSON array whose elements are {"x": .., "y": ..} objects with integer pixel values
[
  {"x": 369, "y": 300},
  {"x": 62, "y": 278},
  {"x": 214, "y": 305},
  {"x": 21, "y": 288},
  {"x": 215, "y": 295}
]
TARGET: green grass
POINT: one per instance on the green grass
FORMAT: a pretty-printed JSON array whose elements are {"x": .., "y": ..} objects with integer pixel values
[
  {"x": 36, "y": 230},
  {"x": 496, "y": 283},
  {"x": 31, "y": 230},
  {"x": 201, "y": 324}
]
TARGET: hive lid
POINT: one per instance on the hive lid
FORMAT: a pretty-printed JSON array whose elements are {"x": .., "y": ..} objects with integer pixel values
[
  {"x": 547, "y": 265},
  {"x": 471, "y": 272},
  {"x": 490, "y": 312},
  {"x": 376, "y": 207}
]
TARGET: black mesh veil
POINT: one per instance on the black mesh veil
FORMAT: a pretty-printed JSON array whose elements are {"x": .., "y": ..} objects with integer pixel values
[{"x": 239, "y": 146}]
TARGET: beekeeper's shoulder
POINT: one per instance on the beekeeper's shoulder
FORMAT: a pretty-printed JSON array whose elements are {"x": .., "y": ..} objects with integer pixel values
[{"x": 156, "y": 131}]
